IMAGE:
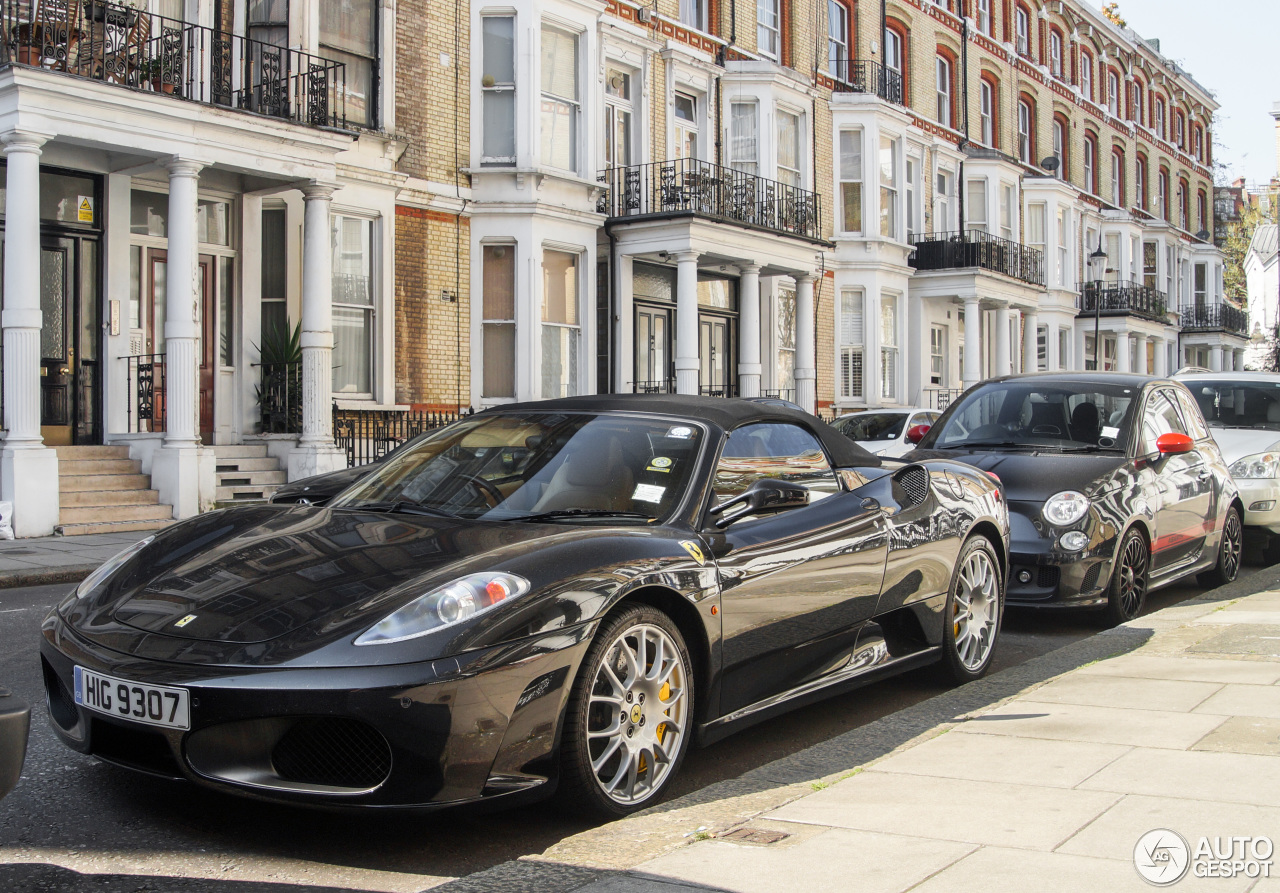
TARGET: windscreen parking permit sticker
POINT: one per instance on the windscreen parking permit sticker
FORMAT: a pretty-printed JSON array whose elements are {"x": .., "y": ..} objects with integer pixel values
[
  {"x": 648, "y": 493},
  {"x": 680, "y": 432},
  {"x": 660, "y": 463},
  {"x": 1108, "y": 431}
]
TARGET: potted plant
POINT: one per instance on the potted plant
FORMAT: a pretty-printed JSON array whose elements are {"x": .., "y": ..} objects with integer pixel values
[
  {"x": 153, "y": 70},
  {"x": 279, "y": 392}
]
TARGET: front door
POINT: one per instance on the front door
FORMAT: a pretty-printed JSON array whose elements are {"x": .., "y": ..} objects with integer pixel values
[
  {"x": 714, "y": 346},
  {"x": 70, "y": 411},
  {"x": 653, "y": 348}
]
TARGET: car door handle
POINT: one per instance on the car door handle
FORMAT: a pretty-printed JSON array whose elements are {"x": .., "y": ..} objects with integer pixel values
[{"x": 1204, "y": 474}]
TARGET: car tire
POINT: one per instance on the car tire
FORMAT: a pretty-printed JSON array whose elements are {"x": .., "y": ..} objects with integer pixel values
[
  {"x": 1127, "y": 592},
  {"x": 633, "y": 693},
  {"x": 1230, "y": 551},
  {"x": 973, "y": 613}
]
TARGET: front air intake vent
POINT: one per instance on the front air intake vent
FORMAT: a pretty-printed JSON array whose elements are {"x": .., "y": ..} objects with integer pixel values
[
  {"x": 334, "y": 752},
  {"x": 912, "y": 486}
]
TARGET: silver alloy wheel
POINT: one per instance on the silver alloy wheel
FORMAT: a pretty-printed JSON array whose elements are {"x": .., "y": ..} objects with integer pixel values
[
  {"x": 976, "y": 610},
  {"x": 636, "y": 717},
  {"x": 1232, "y": 545}
]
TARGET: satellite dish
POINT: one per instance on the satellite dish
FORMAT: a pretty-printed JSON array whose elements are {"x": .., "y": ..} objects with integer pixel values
[
  {"x": 1203, "y": 235},
  {"x": 1050, "y": 164}
]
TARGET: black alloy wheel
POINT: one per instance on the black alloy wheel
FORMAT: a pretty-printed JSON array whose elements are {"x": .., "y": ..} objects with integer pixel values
[
  {"x": 630, "y": 715},
  {"x": 1128, "y": 590},
  {"x": 974, "y": 610},
  {"x": 1229, "y": 553}
]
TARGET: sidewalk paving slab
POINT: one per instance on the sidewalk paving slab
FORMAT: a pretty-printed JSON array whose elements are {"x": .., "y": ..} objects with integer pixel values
[{"x": 58, "y": 559}]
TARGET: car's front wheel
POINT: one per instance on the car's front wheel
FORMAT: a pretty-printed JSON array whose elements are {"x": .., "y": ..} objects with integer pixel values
[
  {"x": 974, "y": 610},
  {"x": 630, "y": 715},
  {"x": 1229, "y": 552},
  {"x": 1128, "y": 590}
]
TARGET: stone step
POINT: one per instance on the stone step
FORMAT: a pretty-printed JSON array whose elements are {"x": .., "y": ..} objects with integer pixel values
[
  {"x": 250, "y": 478},
  {"x": 264, "y": 463},
  {"x": 109, "y": 527},
  {"x": 98, "y": 514},
  {"x": 237, "y": 503},
  {"x": 91, "y": 452},
  {"x": 71, "y": 467},
  {"x": 76, "y": 498},
  {"x": 78, "y": 482},
  {"x": 240, "y": 451},
  {"x": 241, "y": 492}
]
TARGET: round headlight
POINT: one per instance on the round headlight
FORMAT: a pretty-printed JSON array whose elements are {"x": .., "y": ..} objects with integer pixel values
[
  {"x": 1066, "y": 507},
  {"x": 1256, "y": 467},
  {"x": 1073, "y": 541}
]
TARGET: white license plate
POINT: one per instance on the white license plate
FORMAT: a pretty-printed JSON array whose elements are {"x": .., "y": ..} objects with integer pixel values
[{"x": 154, "y": 705}]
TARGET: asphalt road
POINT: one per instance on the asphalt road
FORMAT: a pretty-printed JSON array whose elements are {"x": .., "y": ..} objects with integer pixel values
[{"x": 76, "y": 824}]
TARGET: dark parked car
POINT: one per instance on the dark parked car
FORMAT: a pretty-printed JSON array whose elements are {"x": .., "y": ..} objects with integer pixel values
[
  {"x": 1115, "y": 486},
  {"x": 561, "y": 593},
  {"x": 320, "y": 488},
  {"x": 15, "y": 721}
]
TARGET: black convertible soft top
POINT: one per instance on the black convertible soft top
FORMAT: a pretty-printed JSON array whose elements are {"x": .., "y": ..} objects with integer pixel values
[{"x": 724, "y": 413}]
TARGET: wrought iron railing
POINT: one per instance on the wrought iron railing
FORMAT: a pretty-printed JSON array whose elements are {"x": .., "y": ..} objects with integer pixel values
[
  {"x": 940, "y": 398},
  {"x": 658, "y": 386},
  {"x": 144, "y": 406},
  {"x": 975, "y": 248},
  {"x": 780, "y": 393},
  {"x": 369, "y": 434},
  {"x": 1123, "y": 298},
  {"x": 719, "y": 390},
  {"x": 280, "y": 398},
  {"x": 704, "y": 189},
  {"x": 863, "y": 76},
  {"x": 1214, "y": 316},
  {"x": 122, "y": 45}
]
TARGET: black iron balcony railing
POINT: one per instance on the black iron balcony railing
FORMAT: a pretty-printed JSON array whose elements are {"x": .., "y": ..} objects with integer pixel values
[
  {"x": 144, "y": 408},
  {"x": 280, "y": 397},
  {"x": 1124, "y": 298},
  {"x": 728, "y": 389},
  {"x": 657, "y": 386},
  {"x": 687, "y": 186},
  {"x": 369, "y": 434},
  {"x": 122, "y": 45},
  {"x": 1199, "y": 317},
  {"x": 863, "y": 76},
  {"x": 975, "y": 248}
]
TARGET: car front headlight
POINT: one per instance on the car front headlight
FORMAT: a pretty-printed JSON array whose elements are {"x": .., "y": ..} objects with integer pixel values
[
  {"x": 1066, "y": 507},
  {"x": 98, "y": 577},
  {"x": 1256, "y": 467},
  {"x": 444, "y": 606}
]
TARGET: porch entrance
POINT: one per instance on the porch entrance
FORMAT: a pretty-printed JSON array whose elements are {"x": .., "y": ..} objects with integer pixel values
[
  {"x": 70, "y": 339},
  {"x": 654, "y": 370}
]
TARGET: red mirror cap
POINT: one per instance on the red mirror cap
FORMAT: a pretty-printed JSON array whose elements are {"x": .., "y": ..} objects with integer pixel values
[
  {"x": 1174, "y": 443},
  {"x": 916, "y": 433}
]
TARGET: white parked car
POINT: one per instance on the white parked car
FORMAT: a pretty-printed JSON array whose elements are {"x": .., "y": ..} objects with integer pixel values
[
  {"x": 884, "y": 431},
  {"x": 1243, "y": 412}
]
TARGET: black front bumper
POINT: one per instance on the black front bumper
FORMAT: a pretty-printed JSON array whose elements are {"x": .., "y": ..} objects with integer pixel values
[
  {"x": 430, "y": 734},
  {"x": 1057, "y": 578}
]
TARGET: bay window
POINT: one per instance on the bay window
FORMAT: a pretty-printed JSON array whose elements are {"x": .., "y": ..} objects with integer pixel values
[
  {"x": 743, "y": 145},
  {"x": 560, "y": 328},
  {"x": 851, "y": 344},
  {"x": 1036, "y": 214},
  {"x": 888, "y": 187},
  {"x": 268, "y": 21},
  {"x": 1007, "y": 216},
  {"x": 975, "y": 204},
  {"x": 560, "y": 98},
  {"x": 888, "y": 347},
  {"x": 353, "y": 291},
  {"x": 498, "y": 329},
  {"x": 498, "y": 90},
  {"x": 789, "y": 148},
  {"x": 1064, "y": 233},
  {"x": 851, "y": 181},
  {"x": 349, "y": 34}
]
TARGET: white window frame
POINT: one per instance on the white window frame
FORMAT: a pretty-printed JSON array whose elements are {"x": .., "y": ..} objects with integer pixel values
[
  {"x": 976, "y": 211},
  {"x": 1157, "y": 117},
  {"x": 492, "y": 92},
  {"x": 693, "y": 13},
  {"x": 890, "y": 183},
  {"x": 1140, "y": 182},
  {"x": 1008, "y": 218},
  {"x": 575, "y": 329},
  {"x": 986, "y": 112},
  {"x": 1038, "y": 212},
  {"x": 1064, "y": 257},
  {"x": 1059, "y": 149},
  {"x": 1113, "y": 93},
  {"x": 911, "y": 177},
  {"x": 839, "y": 59},
  {"x": 983, "y": 8},
  {"x": 1022, "y": 31},
  {"x": 616, "y": 106},
  {"x": 890, "y": 365},
  {"x": 739, "y": 158},
  {"x": 684, "y": 128},
  {"x": 893, "y": 51},
  {"x": 1086, "y": 75},
  {"x": 1090, "y": 164},
  {"x": 944, "y": 189},
  {"x": 850, "y": 355},
  {"x": 1117, "y": 179},
  {"x": 769, "y": 28},
  {"x": 1025, "y": 127},
  {"x": 850, "y": 174},
  {"x": 938, "y": 355},
  {"x": 1055, "y": 54},
  {"x": 574, "y": 103},
  {"x": 487, "y": 323},
  {"x": 792, "y": 176},
  {"x": 374, "y": 266},
  {"x": 942, "y": 79}
]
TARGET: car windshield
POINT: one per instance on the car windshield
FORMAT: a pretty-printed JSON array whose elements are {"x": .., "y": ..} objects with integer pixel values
[
  {"x": 1238, "y": 404},
  {"x": 514, "y": 466},
  {"x": 1037, "y": 414},
  {"x": 872, "y": 425}
]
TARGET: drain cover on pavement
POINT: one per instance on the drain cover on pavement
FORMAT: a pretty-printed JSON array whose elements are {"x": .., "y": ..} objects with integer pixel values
[{"x": 753, "y": 835}]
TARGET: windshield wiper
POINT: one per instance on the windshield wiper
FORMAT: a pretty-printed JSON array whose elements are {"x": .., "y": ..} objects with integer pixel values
[
  {"x": 404, "y": 507},
  {"x": 1088, "y": 448},
  {"x": 554, "y": 514},
  {"x": 1004, "y": 444}
]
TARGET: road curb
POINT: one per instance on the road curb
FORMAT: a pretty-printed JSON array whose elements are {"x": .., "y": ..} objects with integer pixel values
[
  {"x": 619, "y": 846},
  {"x": 73, "y": 574}
]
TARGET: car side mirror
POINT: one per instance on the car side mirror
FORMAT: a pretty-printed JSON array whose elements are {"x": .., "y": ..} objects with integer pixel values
[
  {"x": 764, "y": 495},
  {"x": 916, "y": 433},
  {"x": 1171, "y": 444}
]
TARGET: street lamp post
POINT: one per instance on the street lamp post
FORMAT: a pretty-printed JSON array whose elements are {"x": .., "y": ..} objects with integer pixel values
[{"x": 1097, "y": 264}]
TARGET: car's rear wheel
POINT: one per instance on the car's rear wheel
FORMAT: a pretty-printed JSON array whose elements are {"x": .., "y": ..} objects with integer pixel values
[
  {"x": 1229, "y": 552},
  {"x": 1128, "y": 590},
  {"x": 630, "y": 715},
  {"x": 974, "y": 609}
]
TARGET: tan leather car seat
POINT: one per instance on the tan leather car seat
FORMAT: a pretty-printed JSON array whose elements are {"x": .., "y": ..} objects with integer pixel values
[{"x": 593, "y": 476}]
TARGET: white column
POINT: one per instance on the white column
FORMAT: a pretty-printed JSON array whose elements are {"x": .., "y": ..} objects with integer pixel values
[
  {"x": 972, "y": 371},
  {"x": 1015, "y": 341},
  {"x": 316, "y": 453},
  {"x": 749, "y": 333},
  {"x": 687, "y": 322},
  {"x": 806, "y": 364},
  {"x": 1140, "y": 360},
  {"x": 28, "y": 469},
  {"x": 1002, "y": 366},
  {"x": 1161, "y": 347},
  {"x": 1215, "y": 358},
  {"x": 1122, "y": 352},
  {"x": 184, "y": 480},
  {"x": 1239, "y": 355},
  {"x": 1031, "y": 344}
]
